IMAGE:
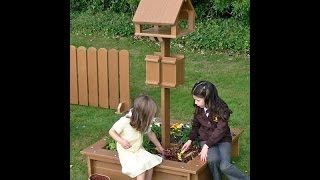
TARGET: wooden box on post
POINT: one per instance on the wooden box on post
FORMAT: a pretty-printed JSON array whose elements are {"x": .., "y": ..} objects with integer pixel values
[
  {"x": 172, "y": 70},
  {"x": 152, "y": 69}
]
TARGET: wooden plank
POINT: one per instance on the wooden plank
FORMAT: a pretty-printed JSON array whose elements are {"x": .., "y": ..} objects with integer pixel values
[
  {"x": 113, "y": 65},
  {"x": 73, "y": 76},
  {"x": 124, "y": 79},
  {"x": 103, "y": 78},
  {"x": 92, "y": 76},
  {"x": 82, "y": 75}
]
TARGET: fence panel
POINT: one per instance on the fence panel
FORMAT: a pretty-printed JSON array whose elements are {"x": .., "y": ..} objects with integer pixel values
[{"x": 100, "y": 78}]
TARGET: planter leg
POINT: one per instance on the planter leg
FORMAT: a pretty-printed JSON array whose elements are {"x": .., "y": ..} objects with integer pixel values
[{"x": 89, "y": 166}]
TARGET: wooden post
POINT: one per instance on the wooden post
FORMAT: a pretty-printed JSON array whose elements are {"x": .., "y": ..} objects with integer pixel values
[{"x": 165, "y": 99}]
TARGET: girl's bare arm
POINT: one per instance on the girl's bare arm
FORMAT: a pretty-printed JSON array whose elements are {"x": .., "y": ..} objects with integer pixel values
[{"x": 124, "y": 143}]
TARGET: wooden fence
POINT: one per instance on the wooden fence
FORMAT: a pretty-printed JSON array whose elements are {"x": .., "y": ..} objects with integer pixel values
[{"x": 99, "y": 78}]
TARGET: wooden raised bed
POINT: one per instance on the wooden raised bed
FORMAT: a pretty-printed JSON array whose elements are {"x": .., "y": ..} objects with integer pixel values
[{"x": 106, "y": 162}]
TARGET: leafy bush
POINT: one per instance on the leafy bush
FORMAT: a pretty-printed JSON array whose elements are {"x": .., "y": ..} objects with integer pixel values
[
  {"x": 107, "y": 23},
  {"x": 205, "y": 9},
  {"x": 218, "y": 35},
  {"x": 212, "y": 34},
  {"x": 86, "y": 5}
]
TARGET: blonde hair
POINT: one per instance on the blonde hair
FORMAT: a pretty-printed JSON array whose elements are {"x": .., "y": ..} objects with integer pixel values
[{"x": 143, "y": 111}]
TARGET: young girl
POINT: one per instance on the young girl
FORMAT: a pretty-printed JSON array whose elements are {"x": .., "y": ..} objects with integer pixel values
[
  {"x": 210, "y": 126},
  {"x": 128, "y": 131}
]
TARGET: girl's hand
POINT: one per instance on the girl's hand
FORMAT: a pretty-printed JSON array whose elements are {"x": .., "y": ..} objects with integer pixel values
[
  {"x": 204, "y": 153},
  {"x": 125, "y": 144},
  {"x": 160, "y": 149},
  {"x": 186, "y": 146}
]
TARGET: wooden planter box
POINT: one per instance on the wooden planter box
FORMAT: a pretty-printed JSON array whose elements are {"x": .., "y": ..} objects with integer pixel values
[{"x": 106, "y": 162}]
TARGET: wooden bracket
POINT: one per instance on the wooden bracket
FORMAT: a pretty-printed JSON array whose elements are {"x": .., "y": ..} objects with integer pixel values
[{"x": 119, "y": 108}]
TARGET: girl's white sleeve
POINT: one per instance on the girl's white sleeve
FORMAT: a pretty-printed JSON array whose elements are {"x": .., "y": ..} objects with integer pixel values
[{"x": 119, "y": 125}]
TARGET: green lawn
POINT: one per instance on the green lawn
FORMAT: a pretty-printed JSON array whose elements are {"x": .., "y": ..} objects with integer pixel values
[{"x": 230, "y": 73}]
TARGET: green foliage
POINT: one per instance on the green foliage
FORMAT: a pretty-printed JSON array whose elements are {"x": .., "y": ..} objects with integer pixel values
[
  {"x": 210, "y": 9},
  {"x": 241, "y": 10},
  {"x": 148, "y": 145},
  {"x": 205, "y": 9},
  {"x": 105, "y": 23},
  {"x": 118, "y": 6},
  {"x": 133, "y": 4},
  {"x": 87, "y": 5},
  {"x": 111, "y": 143},
  {"x": 157, "y": 131},
  {"x": 185, "y": 135},
  {"x": 213, "y": 34},
  {"x": 218, "y": 35}
]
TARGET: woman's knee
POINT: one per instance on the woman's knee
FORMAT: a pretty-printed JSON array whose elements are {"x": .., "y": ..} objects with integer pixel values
[
  {"x": 213, "y": 160},
  {"x": 225, "y": 165}
]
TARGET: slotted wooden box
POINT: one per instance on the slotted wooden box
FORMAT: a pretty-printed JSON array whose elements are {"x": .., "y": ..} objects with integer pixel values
[{"x": 172, "y": 70}]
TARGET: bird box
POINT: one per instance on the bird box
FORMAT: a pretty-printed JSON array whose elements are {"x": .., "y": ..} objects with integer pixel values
[
  {"x": 172, "y": 70},
  {"x": 164, "y": 18},
  {"x": 152, "y": 69}
]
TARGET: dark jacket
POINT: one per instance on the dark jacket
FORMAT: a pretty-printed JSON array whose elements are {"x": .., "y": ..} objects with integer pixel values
[{"x": 213, "y": 130}]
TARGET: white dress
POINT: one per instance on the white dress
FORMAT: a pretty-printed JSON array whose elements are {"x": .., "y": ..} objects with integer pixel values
[{"x": 136, "y": 159}]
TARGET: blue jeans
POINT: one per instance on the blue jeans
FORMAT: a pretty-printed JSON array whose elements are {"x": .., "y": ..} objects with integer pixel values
[{"x": 219, "y": 157}]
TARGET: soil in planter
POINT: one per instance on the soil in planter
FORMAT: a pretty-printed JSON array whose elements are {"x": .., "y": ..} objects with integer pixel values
[{"x": 172, "y": 153}]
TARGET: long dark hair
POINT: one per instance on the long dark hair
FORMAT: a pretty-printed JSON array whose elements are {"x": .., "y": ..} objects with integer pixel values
[
  {"x": 216, "y": 106},
  {"x": 143, "y": 111}
]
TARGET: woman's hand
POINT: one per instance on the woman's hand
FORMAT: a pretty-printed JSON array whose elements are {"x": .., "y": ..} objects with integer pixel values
[
  {"x": 204, "y": 153},
  {"x": 186, "y": 146}
]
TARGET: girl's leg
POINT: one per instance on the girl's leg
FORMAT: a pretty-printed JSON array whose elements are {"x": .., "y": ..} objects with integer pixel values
[
  {"x": 149, "y": 174},
  {"x": 226, "y": 167},
  {"x": 213, "y": 161},
  {"x": 141, "y": 176}
]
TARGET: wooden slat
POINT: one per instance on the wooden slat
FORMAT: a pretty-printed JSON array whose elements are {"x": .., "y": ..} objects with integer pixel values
[
  {"x": 103, "y": 78},
  {"x": 73, "y": 76},
  {"x": 124, "y": 79},
  {"x": 92, "y": 76},
  {"x": 113, "y": 65},
  {"x": 82, "y": 75}
]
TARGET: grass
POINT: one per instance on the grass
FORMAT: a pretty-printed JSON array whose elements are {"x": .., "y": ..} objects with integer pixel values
[{"x": 229, "y": 72}]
